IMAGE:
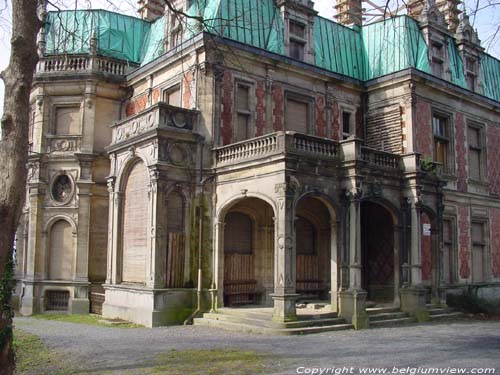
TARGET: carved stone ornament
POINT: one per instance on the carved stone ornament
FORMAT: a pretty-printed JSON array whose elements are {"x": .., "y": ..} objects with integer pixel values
[{"x": 62, "y": 188}]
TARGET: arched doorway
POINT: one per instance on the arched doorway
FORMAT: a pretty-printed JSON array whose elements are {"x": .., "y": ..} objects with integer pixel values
[
  {"x": 377, "y": 253},
  {"x": 313, "y": 243},
  {"x": 248, "y": 253}
]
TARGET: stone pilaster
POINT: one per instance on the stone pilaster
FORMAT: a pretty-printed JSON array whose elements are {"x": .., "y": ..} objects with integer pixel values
[{"x": 285, "y": 257}]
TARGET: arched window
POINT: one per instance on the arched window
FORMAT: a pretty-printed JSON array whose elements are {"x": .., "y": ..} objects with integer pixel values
[
  {"x": 305, "y": 236},
  {"x": 238, "y": 233},
  {"x": 135, "y": 225},
  {"x": 61, "y": 251}
]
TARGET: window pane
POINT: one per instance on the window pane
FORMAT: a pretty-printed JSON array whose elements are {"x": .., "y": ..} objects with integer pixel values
[
  {"x": 242, "y": 98},
  {"x": 478, "y": 264},
  {"x": 439, "y": 126},
  {"x": 477, "y": 233},
  {"x": 296, "y": 116},
  {"x": 441, "y": 153},
  {"x": 296, "y": 50},
  {"x": 446, "y": 230},
  {"x": 474, "y": 164},
  {"x": 474, "y": 137},
  {"x": 173, "y": 97},
  {"x": 242, "y": 130},
  {"x": 297, "y": 29},
  {"x": 346, "y": 123}
]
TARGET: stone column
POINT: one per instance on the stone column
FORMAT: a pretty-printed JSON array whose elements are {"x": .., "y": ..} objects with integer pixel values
[
  {"x": 156, "y": 256},
  {"x": 284, "y": 295},
  {"x": 413, "y": 298},
  {"x": 116, "y": 246},
  {"x": 110, "y": 266},
  {"x": 352, "y": 301},
  {"x": 218, "y": 271},
  {"x": 334, "y": 277}
]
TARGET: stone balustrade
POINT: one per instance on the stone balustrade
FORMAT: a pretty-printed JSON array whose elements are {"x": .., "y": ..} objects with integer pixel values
[
  {"x": 380, "y": 158},
  {"x": 158, "y": 116},
  {"x": 276, "y": 143},
  {"x": 82, "y": 64}
]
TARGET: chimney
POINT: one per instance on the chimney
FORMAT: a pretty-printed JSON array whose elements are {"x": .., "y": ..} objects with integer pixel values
[
  {"x": 349, "y": 12},
  {"x": 151, "y": 10},
  {"x": 449, "y": 9}
]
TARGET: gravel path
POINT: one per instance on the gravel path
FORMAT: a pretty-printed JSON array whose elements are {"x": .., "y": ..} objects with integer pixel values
[{"x": 457, "y": 344}]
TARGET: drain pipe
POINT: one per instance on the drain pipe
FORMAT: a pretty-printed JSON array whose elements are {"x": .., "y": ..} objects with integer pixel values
[{"x": 202, "y": 183}]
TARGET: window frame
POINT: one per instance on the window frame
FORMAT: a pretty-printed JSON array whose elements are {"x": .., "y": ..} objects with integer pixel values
[
  {"x": 483, "y": 172},
  {"x": 309, "y": 101},
  {"x": 447, "y": 138},
  {"x": 249, "y": 113},
  {"x": 170, "y": 89},
  {"x": 485, "y": 246},
  {"x": 297, "y": 39},
  {"x": 453, "y": 274}
]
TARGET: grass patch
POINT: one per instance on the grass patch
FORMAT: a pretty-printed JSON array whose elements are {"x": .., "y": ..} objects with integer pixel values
[
  {"x": 89, "y": 319},
  {"x": 32, "y": 356},
  {"x": 212, "y": 362}
]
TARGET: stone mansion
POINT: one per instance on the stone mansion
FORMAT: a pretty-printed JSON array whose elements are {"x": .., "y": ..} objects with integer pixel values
[{"x": 243, "y": 152}]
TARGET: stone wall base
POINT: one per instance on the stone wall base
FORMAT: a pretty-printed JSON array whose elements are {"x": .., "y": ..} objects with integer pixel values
[
  {"x": 352, "y": 308},
  {"x": 413, "y": 302},
  {"x": 150, "y": 307}
]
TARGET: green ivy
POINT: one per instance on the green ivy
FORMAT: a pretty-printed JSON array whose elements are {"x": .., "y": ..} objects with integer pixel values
[{"x": 6, "y": 287}]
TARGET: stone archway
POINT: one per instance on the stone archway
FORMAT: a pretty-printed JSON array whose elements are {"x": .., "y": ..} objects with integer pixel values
[
  {"x": 378, "y": 257},
  {"x": 248, "y": 253}
]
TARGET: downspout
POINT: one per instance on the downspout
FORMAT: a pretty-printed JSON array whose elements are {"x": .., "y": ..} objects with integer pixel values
[{"x": 199, "y": 288}]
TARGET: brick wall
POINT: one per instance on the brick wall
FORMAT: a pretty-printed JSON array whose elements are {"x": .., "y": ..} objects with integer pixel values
[
  {"x": 460, "y": 152},
  {"x": 277, "y": 107},
  {"x": 260, "y": 108},
  {"x": 495, "y": 241},
  {"x": 320, "y": 117},
  {"x": 426, "y": 244},
  {"x": 493, "y": 150},
  {"x": 335, "y": 121},
  {"x": 136, "y": 105},
  {"x": 187, "y": 94},
  {"x": 156, "y": 95},
  {"x": 423, "y": 128},
  {"x": 464, "y": 242},
  {"x": 227, "y": 108}
]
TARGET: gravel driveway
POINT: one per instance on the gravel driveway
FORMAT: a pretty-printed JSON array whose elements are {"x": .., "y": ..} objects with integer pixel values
[{"x": 456, "y": 344}]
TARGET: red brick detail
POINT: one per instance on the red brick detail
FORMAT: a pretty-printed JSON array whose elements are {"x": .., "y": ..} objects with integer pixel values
[
  {"x": 156, "y": 96},
  {"x": 136, "y": 105},
  {"x": 424, "y": 128},
  {"x": 464, "y": 241},
  {"x": 278, "y": 107},
  {"x": 359, "y": 124},
  {"x": 335, "y": 121},
  {"x": 494, "y": 159},
  {"x": 227, "y": 108},
  {"x": 495, "y": 241},
  {"x": 186, "y": 95},
  {"x": 260, "y": 108},
  {"x": 320, "y": 117},
  {"x": 426, "y": 244},
  {"x": 460, "y": 150}
]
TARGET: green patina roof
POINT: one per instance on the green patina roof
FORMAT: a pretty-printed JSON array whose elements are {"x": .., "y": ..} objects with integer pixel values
[{"x": 362, "y": 53}]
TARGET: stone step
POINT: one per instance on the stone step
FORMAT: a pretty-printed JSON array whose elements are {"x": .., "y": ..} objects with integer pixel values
[
  {"x": 391, "y": 322},
  {"x": 265, "y": 330},
  {"x": 387, "y": 316},
  {"x": 447, "y": 315},
  {"x": 272, "y": 324},
  {"x": 267, "y": 315},
  {"x": 381, "y": 310}
]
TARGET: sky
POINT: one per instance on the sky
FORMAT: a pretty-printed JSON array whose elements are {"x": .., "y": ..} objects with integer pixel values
[{"x": 487, "y": 22}]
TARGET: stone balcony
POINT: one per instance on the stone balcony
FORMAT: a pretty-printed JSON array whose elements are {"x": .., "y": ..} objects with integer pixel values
[
  {"x": 83, "y": 64},
  {"x": 157, "y": 117}
]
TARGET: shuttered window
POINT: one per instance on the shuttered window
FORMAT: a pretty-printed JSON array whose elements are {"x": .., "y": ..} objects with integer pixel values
[
  {"x": 172, "y": 96},
  {"x": 243, "y": 128},
  {"x": 475, "y": 152},
  {"x": 297, "y": 115},
  {"x": 67, "y": 121},
  {"x": 135, "y": 225},
  {"x": 238, "y": 233},
  {"x": 478, "y": 252},
  {"x": 61, "y": 251}
]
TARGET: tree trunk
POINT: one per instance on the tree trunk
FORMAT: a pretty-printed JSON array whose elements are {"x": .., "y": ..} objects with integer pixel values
[{"x": 17, "y": 78}]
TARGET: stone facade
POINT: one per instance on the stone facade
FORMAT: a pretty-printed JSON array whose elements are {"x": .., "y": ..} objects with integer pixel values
[{"x": 178, "y": 185}]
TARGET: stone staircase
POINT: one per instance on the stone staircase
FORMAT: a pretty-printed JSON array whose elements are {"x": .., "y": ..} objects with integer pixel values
[
  {"x": 312, "y": 318},
  {"x": 259, "y": 320}
]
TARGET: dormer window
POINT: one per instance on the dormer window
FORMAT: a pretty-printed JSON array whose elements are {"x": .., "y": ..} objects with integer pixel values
[
  {"x": 297, "y": 39},
  {"x": 471, "y": 73},
  {"x": 176, "y": 30},
  {"x": 437, "y": 59}
]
